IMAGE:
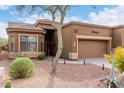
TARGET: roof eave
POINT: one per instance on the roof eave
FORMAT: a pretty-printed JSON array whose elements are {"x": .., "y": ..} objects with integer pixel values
[
  {"x": 10, "y": 29},
  {"x": 86, "y": 24}
]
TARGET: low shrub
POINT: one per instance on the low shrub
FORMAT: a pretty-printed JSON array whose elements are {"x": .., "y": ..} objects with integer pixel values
[
  {"x": 8, "y": 84},
  {"x": 118, "y": 58},
  {"x": 40, "y": 56},
  {"x": 21, "y": 67}
]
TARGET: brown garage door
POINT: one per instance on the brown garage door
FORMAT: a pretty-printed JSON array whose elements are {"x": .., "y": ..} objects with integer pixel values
[{"x": 92, "y": 48}]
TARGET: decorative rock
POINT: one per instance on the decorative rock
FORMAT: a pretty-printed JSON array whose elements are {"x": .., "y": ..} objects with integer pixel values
[{"x": 121, "y": 80}]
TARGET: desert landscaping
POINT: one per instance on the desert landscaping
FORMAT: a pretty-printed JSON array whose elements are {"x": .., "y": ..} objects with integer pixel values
[
  {"x": 67, "y": 76},
  {"x": 55, "y": 53}
]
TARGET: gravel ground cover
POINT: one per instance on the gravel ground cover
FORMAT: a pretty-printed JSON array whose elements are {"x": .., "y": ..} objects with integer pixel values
[{"x": 68, "y": 76}]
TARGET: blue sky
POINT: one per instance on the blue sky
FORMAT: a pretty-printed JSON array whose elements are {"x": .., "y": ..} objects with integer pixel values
[
  {"x": 102, "y": 14},
  {"x": 81, "y": 11}
]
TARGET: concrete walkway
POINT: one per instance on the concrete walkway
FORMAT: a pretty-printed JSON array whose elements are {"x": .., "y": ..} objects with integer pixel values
[{"x": 96, "y": 61}]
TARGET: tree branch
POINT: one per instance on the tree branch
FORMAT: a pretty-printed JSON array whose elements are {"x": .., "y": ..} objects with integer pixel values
[{"x": 63, "y": 13}]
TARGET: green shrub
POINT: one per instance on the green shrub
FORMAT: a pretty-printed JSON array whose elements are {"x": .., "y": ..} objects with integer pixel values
[
  {"x": 41, "y": 56},
  {"x": 8, "y": 84},
  {"x": 21, "y": 67}
]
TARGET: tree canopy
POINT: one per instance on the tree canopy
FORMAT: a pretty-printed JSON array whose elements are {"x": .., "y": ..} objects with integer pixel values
[{"x": 3, "y": 41}]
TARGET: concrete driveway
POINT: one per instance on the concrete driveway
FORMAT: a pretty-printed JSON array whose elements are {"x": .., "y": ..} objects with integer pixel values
[{"x": 96, "y": 61}]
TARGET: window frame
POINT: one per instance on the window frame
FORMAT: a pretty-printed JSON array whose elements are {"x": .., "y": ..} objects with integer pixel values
[
  {"x": 28, "y": 35},
  {"x": 11, "y": 43}
]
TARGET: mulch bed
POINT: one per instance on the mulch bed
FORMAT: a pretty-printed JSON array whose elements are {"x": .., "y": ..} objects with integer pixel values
[{"x": 68, "y": 76}]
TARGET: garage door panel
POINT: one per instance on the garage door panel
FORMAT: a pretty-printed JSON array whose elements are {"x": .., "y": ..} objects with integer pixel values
[{"x": 91, "y": 48}]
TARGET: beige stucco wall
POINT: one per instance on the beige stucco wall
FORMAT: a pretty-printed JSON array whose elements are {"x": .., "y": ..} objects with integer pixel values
[
  {"x": 117, "y": 37},
  {"x": 16, "y": 35},
  {"x": 71, "y": 42},
  {"x": 88, "y": 31},
  {"x": 15, "y": 44},
  {"x": 67, "y": 40},
  {"x": 69, "y": 33}
]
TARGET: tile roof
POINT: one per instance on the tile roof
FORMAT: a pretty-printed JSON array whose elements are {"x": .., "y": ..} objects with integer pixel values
[
  {"x": 17, "y": 24},
  {"x": 22, "y": 25},
  {"x": 46, "y": 21}
]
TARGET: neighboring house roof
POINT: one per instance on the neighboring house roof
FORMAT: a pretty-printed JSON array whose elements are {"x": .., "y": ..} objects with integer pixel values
[{"x": 22, "y": 25}]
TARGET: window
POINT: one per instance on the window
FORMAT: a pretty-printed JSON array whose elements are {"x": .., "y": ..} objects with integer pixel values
[
  {"x": 28, "y": 43},
  {"x": 11, "y": 43}
]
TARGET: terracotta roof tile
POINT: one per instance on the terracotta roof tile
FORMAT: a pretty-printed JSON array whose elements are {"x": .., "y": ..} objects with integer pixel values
[{"x": 22, "y": 25}]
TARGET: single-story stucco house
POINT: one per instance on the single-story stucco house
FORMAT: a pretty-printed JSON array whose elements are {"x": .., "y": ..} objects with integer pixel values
[{"x": 81, "y": 40}]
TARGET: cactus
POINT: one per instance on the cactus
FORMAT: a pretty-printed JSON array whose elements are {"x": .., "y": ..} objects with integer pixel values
[{"x": 8, "y": 84}]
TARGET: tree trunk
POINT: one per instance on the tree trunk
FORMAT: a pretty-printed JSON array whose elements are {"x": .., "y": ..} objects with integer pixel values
[{"x": 59, "y": 50}]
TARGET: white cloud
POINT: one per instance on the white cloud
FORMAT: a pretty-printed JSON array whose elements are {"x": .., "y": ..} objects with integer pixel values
[
  {"x": 3, "y": 33},
  {"x": 4, "y": 7},
  {"x": 33, "y": 18},
  {"x": 13, "y": 13},
  {"x": 109, "y": 16},
  {"x": 73, "y": 18}
]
